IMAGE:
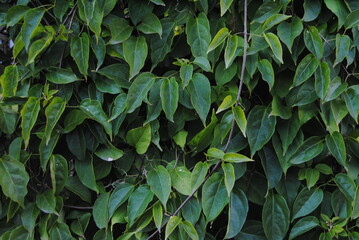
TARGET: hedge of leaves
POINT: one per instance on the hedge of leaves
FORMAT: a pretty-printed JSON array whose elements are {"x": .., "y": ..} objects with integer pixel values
[{"x": 187, "y": 119}]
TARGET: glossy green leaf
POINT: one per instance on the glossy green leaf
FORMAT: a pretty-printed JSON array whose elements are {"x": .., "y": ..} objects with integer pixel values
[
  {"x": 61, "y": 76},
  {"x": 225, "y": 5},
  {"x": 29, "y": 115},
  {"x": 53, "y": 113},
  {"x": 305, "y": 69},
  {"x": 342, "y": 45},
  {"x": 8, "y": 81},
  {"x": 230, "y": 52},
  {"x": 46, "y": 202},
  {"x": 180, "y": 138},
  {"x": 73, "y": 119},
  {"x": 98, "y": 46},
  {"x": 86, "y": 173},
  {"x": 346, "y": 185},
  {"x": 140, "y": 138},
  {"x": 306, "y": 202},
  {"x": 288, "y": 32},
  {"x": 59, "y": 171},
  {"x": 60, "y": 231},
  {"x": 203, "y": 63},
  {"x": 229, "y": 176},
  {"x": 150, "y": 24},
  {"x": 15, "y": 14},
  {"x": 352, "y": 20},
  {"x": 119, "y": 106},
  {"x": 138, "y": 203},
  {"x": 169, "y": 97},
  {"x": 218, "y": 39},
  {"x": 94, "y": 110},
  {"x": 29, "y": 217},
  {"x": 312, "y": 147},
  {"x": 355, "y": 204},
  {"x": 302, "y": 95},
  {"x": 288, "y": 131},
  {"x": 278, "y": 109},
  {"x": 109, "y": 153},
  {"x": 322, "y": 79},
  {"x": 120, "y": 30},
  {"x": 226, "y": 103},
  {"x": 198, "y": 175},
  {"x": 351, "y": 97},
  {"x": 303, "y": 225},
  {"x": 172, "y": 225},
  {"x": 31, "y": 22},
  {"x": 157, "y": 213},
  {"x": 80, "y": 52},
  {"x": 339, "y": 9},
  {"x": 46, "y": 149},
  {"x": 138, "y": 90},
  {"x": 266, "y": 70},
  {"x": 223, "y": 75},
  {"x": 8, "y": 120},
  {"x": 13, "y": 180},
  {"x": 313, "y": 42},
  {"x": 275, "y": 217},
  {"x": 200, "y": 91},
  {"x": 38, "y": 46},
  {"x": 336, "y": 146},
  {"x": 274, "y": 44},
  {"x": 159, "y": 181},
  {"x": 121, "y": 193},
  {"x": 274, "y": 20},
  {"x": 181, "y": 180},
  {"x": 336, "y": 87},
  {"x": 238, "y": 210},
  {"x": 198, "y": 35},
  {"x": 236, "y": 158},
  {"x": 135, "y": 53},
  {"x": 186, "y": 73},
  {"x": 260, "y": 128},
  {"x": 312, "y": 9},
  {"x": 214, "y": 196},
  {"x": 100, "y": 210}
]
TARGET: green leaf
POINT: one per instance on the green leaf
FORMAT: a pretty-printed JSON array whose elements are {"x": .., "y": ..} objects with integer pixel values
[
  {"x": 46, "y": 150},
  {"x": 8, "y": 81},
  {"x": 181, "y": 180},
  {"x": 351, "y": 96},
  {"x": 32, "y": 20},
  {"x": 135, "y": 53},
  {"x": 336, "y": 87},
  {"x": 186, "y": 73},
  {"x": 38, "y": 46},
  {"x": 274, "y": 44},
  {"x": 238, "y": 210},
  {"x": 73, "y": 119},
  {"x": 311, "y": 10},
  {"x": 109, "y": 153},
  {"x": 218, "y": 39},
  {"x": 198, "y": 35},
  {"x": 229, "y": 177},
  {"x": 80, "y": 51},
  {"x": 352, "y": 20},
  {"x": 342, "y": 45},
  {"x": 13, "y": 180},
  {"x": 303, "y": 225},
  {"x": 346, "y": 185},
  {"x": 180, "y": 138},
  {"x": 274, "y": 20},
  {"x": 157, "y": 213},
  {"x": 260, "y": 128},
  {"x": 306, "y": 202},
  {"x": 61, "y": 76},
  {"x": 140, "y": 138},
  {"x": 214, "y": 196},
  {"x": 198, "y": 175},
  {"x": 288, "y": 131},
  {"x": 190, "y": 230},
  {"x": 98, "y": 46},
  {"x": 15, "y": 14},
  {"x": 120, "y": 30},
  {"x": 53, "y": 113},
  {"x": 150, "y": 24},
  {"x": 200, "y": 91},
  {"x": 278, "y": 109},
  {"x": 100, "y": 210},
  {"x": 336, "y": 146},
  {"x": 322, "y": 80},
  {"x": 266, "y": 70},
  {"x": 203, "y": 63},
  {"x": 226, "y": 103},
  {"x": 313, "y": 42},
  {"x": 171, "y": 225},
  {"x": 339, "y": 9},
  {"x": 29, "y": 217},
  {"x": 272, "y": 166},
  {"x": 225, "y": 5},
  {"x": 59, "y": 172},
  {"x": 275, "y": 216},
  {"x": 160, "y": 182},
  {"x": 119, "y": 106},
  {"x": 305, "y": 69},
  {"x": 312, "y": 147},
  {"x": 29, "y": 115},
  {"x": 169, "y": 97},
  {"x": 355, "y": 204},
  {"x": 230, "y": 52},
  {"x": 86, "y": 173},
  {"x": 8, "y": 120},
  {"x": 46, "y": 202},
  {"x": 138, "y": 90},
  {"x": 60, "y": 231},
  {"x": 117, "y": 72},
  {"x": 121, "y": 193},
  {"x": 236, "y": 158},
  {"x": 138, "y": 203},
  {"x": 94, "y": 110},
  {"x": 287, "y": 32},
  {"x": 302, "y": 95},
  {"x": 223, "y": 75}
]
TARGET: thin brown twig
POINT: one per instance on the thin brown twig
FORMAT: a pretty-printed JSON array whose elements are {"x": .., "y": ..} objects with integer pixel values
[{"x": 233, "y": 122}]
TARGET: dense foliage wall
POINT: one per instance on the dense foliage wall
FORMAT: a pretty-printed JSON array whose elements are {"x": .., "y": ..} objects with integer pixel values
[{"x": 190, "y": 119}]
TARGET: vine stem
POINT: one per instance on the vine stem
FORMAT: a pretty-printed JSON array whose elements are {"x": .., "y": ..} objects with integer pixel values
[{"x": 245, "y": 33}]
